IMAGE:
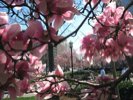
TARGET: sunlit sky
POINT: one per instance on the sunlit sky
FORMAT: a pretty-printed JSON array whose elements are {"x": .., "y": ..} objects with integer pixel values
[{"x": 84, "y": 30}]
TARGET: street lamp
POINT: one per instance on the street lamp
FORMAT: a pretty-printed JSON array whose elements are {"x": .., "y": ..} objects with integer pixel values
[{"x": 71, "y": 47}]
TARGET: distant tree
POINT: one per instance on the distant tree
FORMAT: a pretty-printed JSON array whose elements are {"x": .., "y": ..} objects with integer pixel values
[
  {"x": 31, "y": 28},
  {"x": 63, "y": 56}
]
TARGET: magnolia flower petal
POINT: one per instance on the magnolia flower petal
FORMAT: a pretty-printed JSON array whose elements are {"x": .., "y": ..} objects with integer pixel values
[
  {"x": 58, "y": 22},
  {"x": 13, "y": 30},
  {"x": 3, "y": 18},
  {"x": 3, "y": 57},
  {"x": 105, "y": 1},
  {"x": 59, "y": 71},
  {"x": 12, "y": 93},
  {"x": 35, "y": 28}
]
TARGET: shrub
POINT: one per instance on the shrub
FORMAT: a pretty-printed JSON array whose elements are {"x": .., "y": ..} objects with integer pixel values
[{"x": 126, "y": 90}]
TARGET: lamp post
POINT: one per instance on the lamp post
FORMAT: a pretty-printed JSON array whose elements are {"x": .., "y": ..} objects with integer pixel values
[{"x": 71, "y": 47}]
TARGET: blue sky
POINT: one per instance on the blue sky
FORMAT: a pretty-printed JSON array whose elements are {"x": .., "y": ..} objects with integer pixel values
[{"x": 84, "y": 30}]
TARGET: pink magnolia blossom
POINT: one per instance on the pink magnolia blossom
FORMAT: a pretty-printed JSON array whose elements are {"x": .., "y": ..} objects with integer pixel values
[
  {"x": 39, "y": 51},
  {"x": 19, "y": 42},
  {"x": 109, "y": 44},
  {"x": 4, "y": 78},
  {"x": 128, "y": 15},
  {"x": 3, "y": 21},
  {"x": 5, "y": 75},
  {"x": 89, "y": 45},
  {"x": 64, "y": 86},
  {"x": 3, "y": 18},
  {"x": 43, "y": 86},
  {"x": 51, "y": 85},
  {"x": 24, "y": 85},
  {"x": 11, "y": 31},
  {"x": 118, "y": 13},
  {"x": 12, "y": 91},
  {"x": 59, "y": 71},
  {"x": 3, "y": 57},
  {"x": 125, "y": 43},
  {"x": 112, "y": 49},
  {"x": 14, "y": 2},
  {"x": 21, "y": 86},
  {"x": 22, "y": 69},
  {"x": 36, "y": 65},
  {"x": 57, "y": 10},
  {"x": 106, "y": 1},
  {"x": 34, "y": 29}
]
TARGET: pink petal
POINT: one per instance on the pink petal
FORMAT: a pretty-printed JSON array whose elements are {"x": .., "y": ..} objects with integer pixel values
[
  {"x": 24, "y": 85},
  {"x": 128, "y": 15},
  {"x": 43, "y": 86},
  {"x": 3, "y": 57},
  {"x": 43, "y": 7},
  {"x": 94, "y": 2},
  {"x": 65, "y": 86},
  {"x": 68, "y": 15},
  {"x": 12, "y": 92},
  {"x": 4, "y": 78},
  {"x": 118, "y": 14},
  {"x": 17, "y": 45},
  {"x": 35, "y": 28},
  {"x": 2, "y": 31},
  {"x": 14, "y": 2},
  {"x": 18, "y": 2},
  {"x": 58, "y": 22},
  {"x": 22, "y": 69},
  {"x": 51, "y": 19},
  {"x": 112, "y": 6},
  {"x": 13, "y": 30},
  {"x": 40, "y": 51},
  {"x": 37, "y": 1},
  {"x": 65, "y": 3},
  {"x": 47, "y": 96},
  {"x": 3, "y": 18},
  {"x": 59, "y": 71},
  {"x": 105, "y": 1}
]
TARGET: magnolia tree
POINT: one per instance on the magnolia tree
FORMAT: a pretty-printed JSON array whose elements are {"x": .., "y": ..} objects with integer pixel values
[
  {"x": 29, "y": 27},
  {"x": 63, "y": 57}
]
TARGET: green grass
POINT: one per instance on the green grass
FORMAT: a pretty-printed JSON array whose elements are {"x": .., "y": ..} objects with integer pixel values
[{"x": 22, "y": 98}]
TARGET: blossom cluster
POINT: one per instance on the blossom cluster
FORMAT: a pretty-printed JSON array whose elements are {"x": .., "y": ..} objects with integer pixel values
[
  {"x": 21, "y": 51},
  {"x": 112, "y": 38}
]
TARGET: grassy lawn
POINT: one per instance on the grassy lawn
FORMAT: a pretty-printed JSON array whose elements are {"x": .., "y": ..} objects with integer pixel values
[{"x": 22, "y": 98}]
